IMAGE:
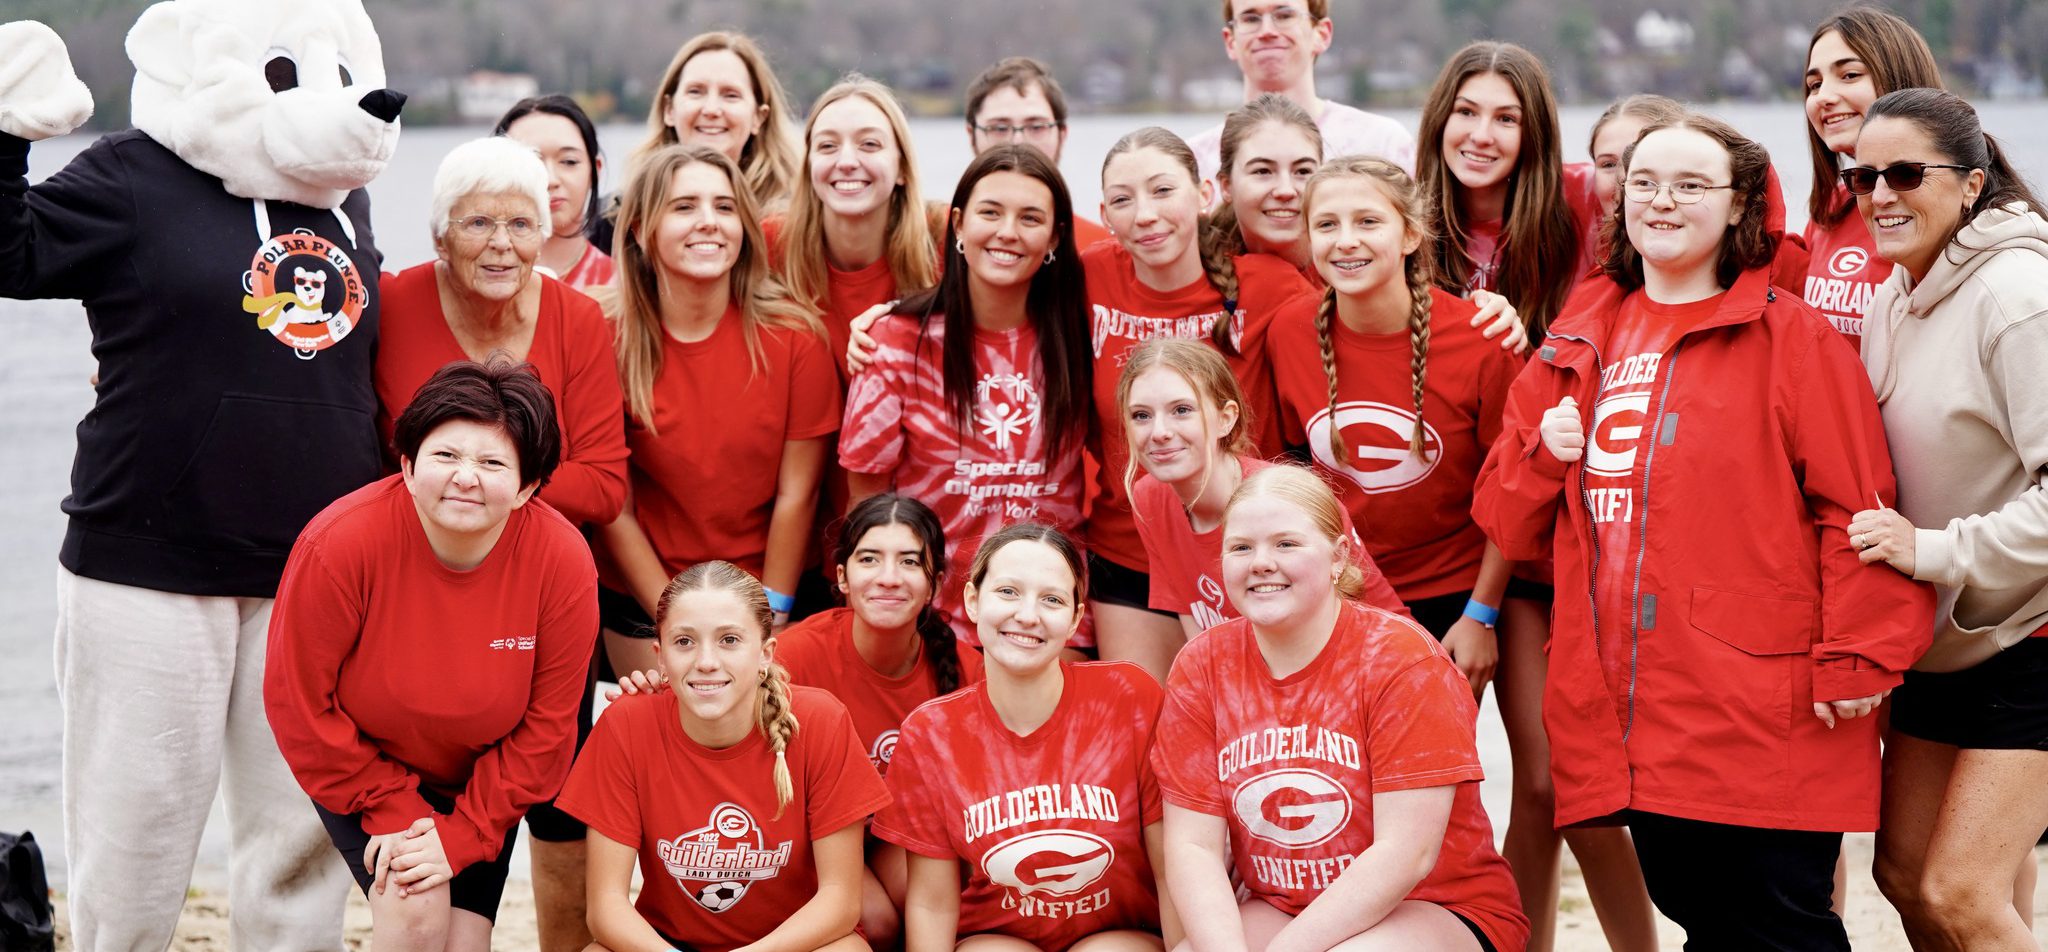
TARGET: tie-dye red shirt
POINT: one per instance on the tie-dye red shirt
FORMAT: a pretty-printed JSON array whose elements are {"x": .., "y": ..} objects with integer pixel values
[
  {"x": 997, "y": 467},
  {"x": 1051, "y": 825}
]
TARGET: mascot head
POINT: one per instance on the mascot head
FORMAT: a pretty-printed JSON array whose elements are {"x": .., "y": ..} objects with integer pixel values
[{"x": 281, "y": 99}]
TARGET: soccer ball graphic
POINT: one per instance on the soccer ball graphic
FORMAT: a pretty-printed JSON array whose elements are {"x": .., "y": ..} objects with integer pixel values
[{"x": 718, "y": 897}]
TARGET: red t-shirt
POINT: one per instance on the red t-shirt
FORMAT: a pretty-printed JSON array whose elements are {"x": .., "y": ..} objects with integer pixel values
[
  {"x": 1124, "y": 313},
  {"x": 819, "y": 651},
  {"x": 1843, "y": 272},
  {"x": 1616, "y": 449},
  {"x": 1049, "y": 828},
  {"x": 1290, "y": 764},
  {"x": 368, "y": 628},
  {"x": 719, "y": 868},
  {"x": 1087, "y": 233},
  {"x": 1414, "y": 514},
  {"x": 704, "y": 477},
  {"x": 593, "y": 270},
  {"x": 1001, "y": 469},
  {"x": 1187, "y": 567},
  {"x": 572, "y": 354}
]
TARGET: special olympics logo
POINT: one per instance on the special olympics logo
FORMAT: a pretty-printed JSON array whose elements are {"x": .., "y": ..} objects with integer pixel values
[
  {"x": 884, "y": 749},
  {"x": 1053, "y": 862},
  {"x": 1006, "y": 407},
  {"x": 1847, "y": 262},
  {"x": 1295, "y": 807},
  {"x": 1617, "y": 430},
  {"x": 1377, "y": 436}
]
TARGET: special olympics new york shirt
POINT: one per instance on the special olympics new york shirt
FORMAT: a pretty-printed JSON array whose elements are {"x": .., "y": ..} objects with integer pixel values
[
  {"x": 1415, "y": 514},
  {"x": 1291, "y": 764},
  {"x": 995, "y": 468},
  {"x": 1634, "y": 364},
  {"x": 1049, "y": 827},
  {"x": 819, "y": 651},
  {"x": 720, "y": 868}
]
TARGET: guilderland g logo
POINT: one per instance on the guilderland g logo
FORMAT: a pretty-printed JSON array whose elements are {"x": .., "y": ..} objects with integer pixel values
[
  {"x": 1848, "y": 262},
  {"x": 1617, "y": 431},
  {"x": 1294, "y": 807},
  {"x": 1377, "y": 436},
  {"x": 304, "y": 291},
  {"x": 1053, "y": 862},
  {"x": 884, "y": 749},
  {"x": 715, "y": 864}
]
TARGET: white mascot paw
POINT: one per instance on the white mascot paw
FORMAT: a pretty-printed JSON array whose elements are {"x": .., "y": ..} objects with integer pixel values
[{"x": 40, "y": 96}]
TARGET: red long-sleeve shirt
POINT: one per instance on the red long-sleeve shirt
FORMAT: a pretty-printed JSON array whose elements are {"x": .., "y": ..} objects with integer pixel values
[
  {"x": 388, "y": 670},
  {"x": 572, "y": 353}
]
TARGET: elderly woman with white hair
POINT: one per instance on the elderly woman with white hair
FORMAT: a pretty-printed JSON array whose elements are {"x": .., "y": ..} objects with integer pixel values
[{"x": 481, "y": 296}]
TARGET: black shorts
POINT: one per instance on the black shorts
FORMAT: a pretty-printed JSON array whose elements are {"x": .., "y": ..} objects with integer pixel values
[
  {"x": 1120, "y": 585},
  {"x": 1437, "y": 613},
  {"x": 2001, "y": 704},
  {"x": 1519, "y": 587},
  {"x": 476, "y": 889},
  {"x": 1485, "y": 944},
  {"x": 620, "y": 612}
]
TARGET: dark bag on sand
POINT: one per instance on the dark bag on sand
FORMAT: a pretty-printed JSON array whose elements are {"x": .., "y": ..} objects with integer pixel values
[{"x": 25, "y": 924}]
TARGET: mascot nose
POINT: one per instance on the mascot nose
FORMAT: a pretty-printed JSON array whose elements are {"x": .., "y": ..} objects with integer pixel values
[{"x": 383, "y": 103}]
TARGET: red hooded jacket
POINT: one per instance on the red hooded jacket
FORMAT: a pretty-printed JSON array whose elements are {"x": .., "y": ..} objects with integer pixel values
[{"x": 1751, "y": 605}]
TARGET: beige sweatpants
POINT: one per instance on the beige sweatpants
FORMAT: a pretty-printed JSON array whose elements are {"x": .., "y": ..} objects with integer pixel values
[{"x": 163, "y": 706}]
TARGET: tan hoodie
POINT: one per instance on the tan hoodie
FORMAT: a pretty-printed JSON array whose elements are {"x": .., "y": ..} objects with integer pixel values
[{"x": 1960, "y": 364}]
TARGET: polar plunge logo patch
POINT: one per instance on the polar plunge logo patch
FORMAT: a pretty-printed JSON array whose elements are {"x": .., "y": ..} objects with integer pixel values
[
  {"x": 717, "y": 863},
  {"x": 304, "y": 291},
  {"x": 1377, "y": 436},
  {"x": 1294, "y": 807}
]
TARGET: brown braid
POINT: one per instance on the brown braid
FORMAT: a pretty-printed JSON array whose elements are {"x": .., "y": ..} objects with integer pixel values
[
  {"x": 778, "y": 724},
  {"x": 1418, "y": 345},
  {"x": 1221, "y": 243},
  {"x": 1326, "y": 316}
]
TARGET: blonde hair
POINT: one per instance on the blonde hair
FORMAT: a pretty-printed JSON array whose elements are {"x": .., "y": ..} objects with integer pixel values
[
  {"x": 634, "y": 302},
  {"x": 769, "y": 156},
  {"x": 1307, "y": 492},
  {"x": 908, "y": 247},
  {"x": 1407, "y": 199},
  {"x": 1205, "y": 370},
  {"x": 1220, "y": 269},
  {"x": 773, "y": 713}
]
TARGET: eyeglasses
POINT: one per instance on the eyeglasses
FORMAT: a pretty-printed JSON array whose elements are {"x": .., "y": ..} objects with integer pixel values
[
  {"x": 482, "y": 227},
  {"x": 1903, "y": 177},
  {"x": 1003, "y": 130},
  {"x": 1686, "y": 192},
  {"x": 1252, "y": 21}
]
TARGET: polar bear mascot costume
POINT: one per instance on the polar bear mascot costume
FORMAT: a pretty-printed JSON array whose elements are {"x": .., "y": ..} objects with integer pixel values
[{"x": 222, "y": 249}]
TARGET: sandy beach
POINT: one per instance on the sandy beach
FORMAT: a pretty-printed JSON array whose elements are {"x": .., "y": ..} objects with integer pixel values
[{"x": 1873, "y": 927}]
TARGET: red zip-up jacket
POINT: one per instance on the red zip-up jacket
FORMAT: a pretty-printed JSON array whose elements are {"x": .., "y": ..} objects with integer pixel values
[{"x": 1751, "y": 604}]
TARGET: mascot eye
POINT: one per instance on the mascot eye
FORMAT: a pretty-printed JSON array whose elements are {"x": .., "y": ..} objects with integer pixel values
[
  {"x": 282, "y": 73},
  {"x": 346, "y": 79}
]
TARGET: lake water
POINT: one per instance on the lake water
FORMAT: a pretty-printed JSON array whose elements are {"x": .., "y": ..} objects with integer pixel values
[{"x": 45, "y": 365}]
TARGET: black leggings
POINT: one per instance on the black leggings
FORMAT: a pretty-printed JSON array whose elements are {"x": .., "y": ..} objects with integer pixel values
[{"x": 1741, "y": 887}]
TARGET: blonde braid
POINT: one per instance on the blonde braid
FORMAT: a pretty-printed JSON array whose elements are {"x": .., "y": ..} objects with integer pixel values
[
  {"x": 1418, "y": 346},
  {"x": 1325, "y": 334},
  {"x": 778, "y": 724}
]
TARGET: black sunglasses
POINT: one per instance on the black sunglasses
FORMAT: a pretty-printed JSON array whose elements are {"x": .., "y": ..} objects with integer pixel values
[{"x": 1903, "y": 177}]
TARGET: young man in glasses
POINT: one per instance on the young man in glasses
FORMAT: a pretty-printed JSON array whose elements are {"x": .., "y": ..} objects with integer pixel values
[
  {"x": 1275, "y": 43},
  {"x": 1017, "y": 100}
]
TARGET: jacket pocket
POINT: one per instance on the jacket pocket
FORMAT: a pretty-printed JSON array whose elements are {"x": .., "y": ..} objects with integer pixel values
[
  {"x": 1755, "y": 624},
  {"x": 263, "y": 467}
]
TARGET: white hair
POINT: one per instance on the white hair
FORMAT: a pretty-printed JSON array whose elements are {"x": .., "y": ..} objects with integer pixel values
[{"x": 489, "y": 166}]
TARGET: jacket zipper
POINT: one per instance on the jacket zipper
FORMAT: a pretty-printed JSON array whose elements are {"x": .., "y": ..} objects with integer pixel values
[{"x": 1635, "y": 622}]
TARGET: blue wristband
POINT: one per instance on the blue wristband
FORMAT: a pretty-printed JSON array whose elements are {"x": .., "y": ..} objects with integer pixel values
[
  {"x": 1480, "y": 612},
  {"x": 782, "y": 604}
]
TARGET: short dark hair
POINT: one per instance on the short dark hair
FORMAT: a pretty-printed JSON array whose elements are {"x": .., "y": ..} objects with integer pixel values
[
  {"x": 498, "y": 393},
  {"x": 1747, "y": 245},
  {"x": 1018, "y": 73},
  {"x": 560, "y": 105}
]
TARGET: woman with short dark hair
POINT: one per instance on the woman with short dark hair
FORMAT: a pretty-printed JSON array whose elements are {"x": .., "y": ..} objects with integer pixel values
[{"x": 431, "y": 638}]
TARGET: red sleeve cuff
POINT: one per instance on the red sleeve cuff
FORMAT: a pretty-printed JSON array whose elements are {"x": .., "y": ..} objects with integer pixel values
[
  {"x": 396, "y": 812},
  {"x": 463, "y": 843},
  {"x": 1847, "y": 679}
]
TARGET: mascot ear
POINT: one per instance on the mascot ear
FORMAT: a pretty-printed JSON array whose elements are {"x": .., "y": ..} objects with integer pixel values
[{"x": 160, "y": 47}]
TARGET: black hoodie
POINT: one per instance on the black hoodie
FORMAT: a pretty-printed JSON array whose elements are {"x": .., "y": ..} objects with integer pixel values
[{"x": 231, "y": 408}]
